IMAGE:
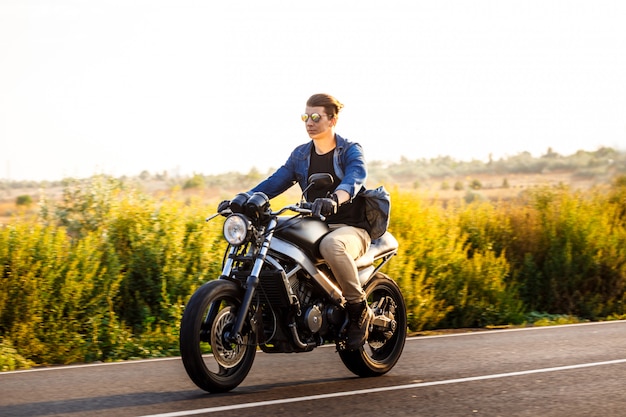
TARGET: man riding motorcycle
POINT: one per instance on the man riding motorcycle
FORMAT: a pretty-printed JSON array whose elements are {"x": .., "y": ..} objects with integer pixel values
[{"x": 344, "y": 213}]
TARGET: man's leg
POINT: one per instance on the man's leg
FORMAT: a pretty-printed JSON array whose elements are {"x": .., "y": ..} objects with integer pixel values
[{"x": 340, "y": 248}]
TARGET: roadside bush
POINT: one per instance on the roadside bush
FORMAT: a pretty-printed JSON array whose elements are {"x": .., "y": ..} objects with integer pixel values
[
  {"x": 617, "y": 198},
  {"x": 24, "y": 200},
  {"x": 10, "y": 360},
  {"x": 85, "y": 205},
  {"x": 446, "y": 280},
  {"x": 475, "y": 184},
  {"x": 420, "y": 232},
  {"x": 569, "y": 253},
  {"x": 103, "y": 274},
  {"x": 165, "y": 256},
  {"x": 197, "y": 181},
  {"x": 55, "y": 294}
]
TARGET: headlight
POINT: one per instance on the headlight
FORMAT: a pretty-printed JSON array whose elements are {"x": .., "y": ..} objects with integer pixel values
[{"x": 236, "y": 229}]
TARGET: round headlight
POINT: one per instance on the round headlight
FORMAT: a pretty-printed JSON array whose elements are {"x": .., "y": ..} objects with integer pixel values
[{"x": 236, "y": 229}]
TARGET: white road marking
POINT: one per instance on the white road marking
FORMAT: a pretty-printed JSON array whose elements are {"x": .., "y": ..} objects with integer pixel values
[
  {"x": 381, "y": 389},
  {"x": 89, "y": 365}
]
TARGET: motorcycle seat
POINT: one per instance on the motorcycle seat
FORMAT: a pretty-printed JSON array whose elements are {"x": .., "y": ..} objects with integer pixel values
[{"x": 384, "y": 245}]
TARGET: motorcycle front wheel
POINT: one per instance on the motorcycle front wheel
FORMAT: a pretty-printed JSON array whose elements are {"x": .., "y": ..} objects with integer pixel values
[
  {"x": 212, "y": 363},
  {"x": 387, "y": 333}
]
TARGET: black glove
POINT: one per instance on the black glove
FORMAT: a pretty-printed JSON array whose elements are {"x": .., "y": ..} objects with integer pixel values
[
  {"x": 324, "y": 207},
  {"x": 223, "y": 206}
]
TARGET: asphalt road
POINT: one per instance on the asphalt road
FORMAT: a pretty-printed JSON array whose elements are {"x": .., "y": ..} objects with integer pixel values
[{"x": 576, "y": 370}]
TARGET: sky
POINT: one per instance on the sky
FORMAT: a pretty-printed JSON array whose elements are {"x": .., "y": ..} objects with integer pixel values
[{"x": 194, "y": 86}]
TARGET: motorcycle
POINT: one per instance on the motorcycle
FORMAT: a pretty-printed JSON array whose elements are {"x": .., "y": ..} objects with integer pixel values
[{"x": 276, "y": 293}]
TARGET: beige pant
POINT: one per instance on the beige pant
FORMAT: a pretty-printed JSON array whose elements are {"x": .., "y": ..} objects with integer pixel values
[{"x": 340, "y": 248}]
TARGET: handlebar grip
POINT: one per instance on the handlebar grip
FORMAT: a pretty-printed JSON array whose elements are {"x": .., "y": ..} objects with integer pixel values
[
  {"x": 224, "y": 213},
  {"x": 307, "y": 208}
]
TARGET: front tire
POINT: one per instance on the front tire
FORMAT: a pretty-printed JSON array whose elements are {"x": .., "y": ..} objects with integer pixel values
[
  {"x": 387, "y": 334},
  {"x": 211, "y": 311}
]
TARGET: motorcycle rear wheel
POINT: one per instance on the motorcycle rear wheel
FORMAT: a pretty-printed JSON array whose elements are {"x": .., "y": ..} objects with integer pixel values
[
  {"x": 210, "y": 312},
  {"x": 382, "y": 349}
]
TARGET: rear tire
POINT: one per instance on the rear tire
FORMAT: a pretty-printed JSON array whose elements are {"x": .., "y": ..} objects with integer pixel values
[
  {"x": 211, "y": 311},
  {"x": 384, "y": 345}
]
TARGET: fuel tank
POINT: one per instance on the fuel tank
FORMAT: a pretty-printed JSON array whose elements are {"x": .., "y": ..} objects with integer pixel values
[{"x": 304, "y": 232}]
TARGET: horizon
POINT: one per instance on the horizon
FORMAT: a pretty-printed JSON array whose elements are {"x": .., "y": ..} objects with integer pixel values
[{"x": 177, "y": 175}]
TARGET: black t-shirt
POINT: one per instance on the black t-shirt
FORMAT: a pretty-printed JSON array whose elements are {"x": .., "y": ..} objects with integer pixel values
[{"x": 352, "y": 212}]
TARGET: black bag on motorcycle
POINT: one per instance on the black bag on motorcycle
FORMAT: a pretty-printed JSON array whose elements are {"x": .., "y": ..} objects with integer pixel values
[{"x": 377, "y": 210}]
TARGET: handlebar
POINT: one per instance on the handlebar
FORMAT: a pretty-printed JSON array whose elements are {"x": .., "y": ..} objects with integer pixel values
[{"x": 303, "y": 208}]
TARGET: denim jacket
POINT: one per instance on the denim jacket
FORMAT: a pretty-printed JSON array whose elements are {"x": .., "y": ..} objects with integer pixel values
[{"x": 349, "y": 164}]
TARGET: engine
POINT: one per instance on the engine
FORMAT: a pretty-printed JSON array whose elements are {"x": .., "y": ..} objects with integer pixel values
[
  {"x": 289, "y": 327},
  {"x": 316, "y": 316}
]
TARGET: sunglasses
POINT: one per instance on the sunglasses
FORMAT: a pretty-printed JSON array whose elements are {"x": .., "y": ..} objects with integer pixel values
[{"x": 316, "y": 117}]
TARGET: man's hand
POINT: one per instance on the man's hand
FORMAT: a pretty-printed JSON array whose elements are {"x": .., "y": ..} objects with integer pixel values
[
  {"x": 223, "y": 206},
  {"x": 324, "y": 207}
]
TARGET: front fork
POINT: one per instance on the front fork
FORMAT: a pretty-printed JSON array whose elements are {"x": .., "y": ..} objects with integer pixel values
[{"x": 234, "y": 335}]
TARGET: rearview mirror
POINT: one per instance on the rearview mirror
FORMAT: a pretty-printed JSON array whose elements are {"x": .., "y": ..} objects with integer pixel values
[
  {"x": 320, "y": 180},
  {"x": 317, "y": 181}
]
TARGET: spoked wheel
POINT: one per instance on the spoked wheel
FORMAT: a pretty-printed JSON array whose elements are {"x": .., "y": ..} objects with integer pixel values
[
  {"x": 210, "y": 313},
  {"x": 387, "y": 333}
]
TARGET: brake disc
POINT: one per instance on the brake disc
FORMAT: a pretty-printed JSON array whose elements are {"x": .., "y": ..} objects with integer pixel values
[{"x": 226, "y": 354}]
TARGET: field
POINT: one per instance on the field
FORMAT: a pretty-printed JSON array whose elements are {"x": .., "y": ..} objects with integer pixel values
[
  {"x": 100, "y": 268},
  {"x": 442, "y": 177},
  {"x": 492, "y": 186}
]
